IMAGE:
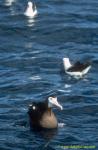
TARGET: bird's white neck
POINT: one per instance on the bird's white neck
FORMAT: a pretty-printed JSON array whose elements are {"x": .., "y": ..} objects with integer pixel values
[
  {"x": 66, "y": 63},
  {"x": 30, "y": 8}
]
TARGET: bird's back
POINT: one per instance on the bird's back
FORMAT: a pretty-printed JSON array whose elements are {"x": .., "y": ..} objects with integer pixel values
[{"x": 78, "y": 67}]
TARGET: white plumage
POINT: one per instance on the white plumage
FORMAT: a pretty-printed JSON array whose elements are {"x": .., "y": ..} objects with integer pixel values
[{"x": 31, "y": 10}]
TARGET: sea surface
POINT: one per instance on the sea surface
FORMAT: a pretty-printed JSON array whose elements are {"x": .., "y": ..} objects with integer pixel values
[{"x": 31, "y": 69}]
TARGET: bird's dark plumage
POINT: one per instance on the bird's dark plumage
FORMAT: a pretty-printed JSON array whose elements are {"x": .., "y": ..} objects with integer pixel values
[
  {"x": 41, "y": 116},
  {"x": 78, "y": 67}
]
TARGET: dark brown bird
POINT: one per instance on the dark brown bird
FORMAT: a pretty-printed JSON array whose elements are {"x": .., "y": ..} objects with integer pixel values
[{"x": 41, "y": 114}]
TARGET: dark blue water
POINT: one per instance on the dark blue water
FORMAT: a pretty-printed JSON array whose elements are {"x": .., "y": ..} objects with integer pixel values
[{"x": 31, "y": 52}]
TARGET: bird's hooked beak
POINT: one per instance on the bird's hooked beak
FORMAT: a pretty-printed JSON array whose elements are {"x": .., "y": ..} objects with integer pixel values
[{"x": 53, "y": 101}]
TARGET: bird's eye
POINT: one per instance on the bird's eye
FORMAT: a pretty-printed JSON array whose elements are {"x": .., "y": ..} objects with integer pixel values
[{"x": 33, "y": 107}]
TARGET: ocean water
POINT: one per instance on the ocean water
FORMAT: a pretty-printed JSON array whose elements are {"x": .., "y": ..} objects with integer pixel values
[{"x": 31, "y": 53}]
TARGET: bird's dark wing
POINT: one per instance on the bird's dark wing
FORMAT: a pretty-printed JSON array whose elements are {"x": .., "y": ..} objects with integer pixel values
[{"x": 78, "y": 67}]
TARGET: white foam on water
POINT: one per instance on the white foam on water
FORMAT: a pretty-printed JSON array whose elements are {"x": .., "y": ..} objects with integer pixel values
[
  {"x": 67, "y": 86},
  {"x": 61, "y": 125},
  {"x": 86, "y": 80},
  {"x": 61, "y": 90},
  {"x": 35, "y": 78},
  {"x": 64, "y": 91},
  {"x": 33, "y": 57}
]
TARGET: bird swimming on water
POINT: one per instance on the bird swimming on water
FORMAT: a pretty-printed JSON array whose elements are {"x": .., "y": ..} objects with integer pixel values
[
  {"x": 78, "y": 69},
  {"x": 41, "y": 114},
  {"x": 31, "y": 10}
]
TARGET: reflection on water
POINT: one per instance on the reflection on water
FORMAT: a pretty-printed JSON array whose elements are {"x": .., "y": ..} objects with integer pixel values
[
  {"x": 30, "y": 22},
  {"x": 47, "y": 134},
  {"x": 35, "y": 78},
  {"x": 9, "y": 2}
]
